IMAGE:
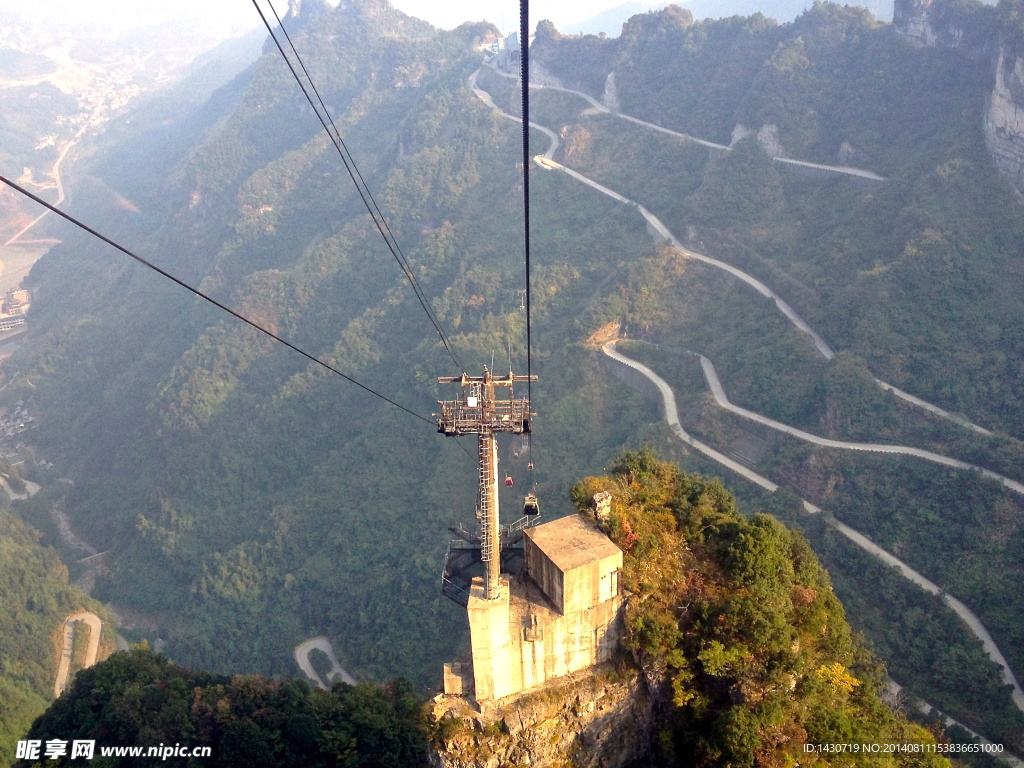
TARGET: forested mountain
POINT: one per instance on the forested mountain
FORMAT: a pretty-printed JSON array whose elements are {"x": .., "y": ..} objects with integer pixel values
[
  {"x": 244, "y": 720},
  {"x": 732, "y": 621},
  {"x": 905, "y": 277},
  {"x": 35, "y": 598},
  {"x": 918, "y": 276},
  {"x": 250, "y": 500}
]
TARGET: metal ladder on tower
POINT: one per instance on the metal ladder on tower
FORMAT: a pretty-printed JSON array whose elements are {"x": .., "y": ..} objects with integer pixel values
[{"x": 486, "y": 520}]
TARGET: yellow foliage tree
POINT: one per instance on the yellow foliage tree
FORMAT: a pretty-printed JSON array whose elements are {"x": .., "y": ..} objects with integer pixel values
[{"x": 838, "y": 678}]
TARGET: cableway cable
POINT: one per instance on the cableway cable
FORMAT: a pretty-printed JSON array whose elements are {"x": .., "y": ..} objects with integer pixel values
[
  {"x": 205, "y": 297},
  {"x": 357, "y": 178},
  {"x": 343, "y": 146},
  {"x": 524, "y": 78}
]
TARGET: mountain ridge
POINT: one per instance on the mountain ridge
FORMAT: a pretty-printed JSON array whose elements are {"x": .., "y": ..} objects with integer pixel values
[{"x": 252, "y": 503}]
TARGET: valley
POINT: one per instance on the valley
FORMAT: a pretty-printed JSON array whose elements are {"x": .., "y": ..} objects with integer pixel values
[{"x": 818, "y": 306}]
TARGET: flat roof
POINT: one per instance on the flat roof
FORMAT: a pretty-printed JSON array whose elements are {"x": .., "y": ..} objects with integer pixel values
[{"x": 572, "y": 542}]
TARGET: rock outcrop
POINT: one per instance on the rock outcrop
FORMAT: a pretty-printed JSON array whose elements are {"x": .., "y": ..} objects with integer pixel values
[
  {"x": 969, "y": 27},
  {"x": 611, "y": 93},
  {"x": 911, "y": 21},
  {"x": 603, "y": 717},
  {"x": 974, "y": 29},
  {"x": 1004, "y": 118},
  {"x": 767, "y": 136}
]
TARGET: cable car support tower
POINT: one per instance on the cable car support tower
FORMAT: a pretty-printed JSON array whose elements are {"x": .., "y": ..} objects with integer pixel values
[{"x": 479, "y": 411}]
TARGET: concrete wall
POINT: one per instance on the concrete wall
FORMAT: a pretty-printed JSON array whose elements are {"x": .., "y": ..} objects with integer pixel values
[
  {"x": 561, "y": 616},
  {"x": 582, "y": 587},
  {"x": 567, "y": 644},
  {"x": 518, "y": 643},
  {"x": 491, "y": 642},
  {"x": 545, "y": 573},
  {"x": 512, "y": 654}
]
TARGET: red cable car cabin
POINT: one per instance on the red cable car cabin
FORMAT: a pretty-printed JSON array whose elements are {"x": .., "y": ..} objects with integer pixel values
[{"x": 508, "y": 481}]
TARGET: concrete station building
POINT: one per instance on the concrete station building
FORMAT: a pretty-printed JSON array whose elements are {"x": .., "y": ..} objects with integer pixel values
[{"x": 560, "y": 615}]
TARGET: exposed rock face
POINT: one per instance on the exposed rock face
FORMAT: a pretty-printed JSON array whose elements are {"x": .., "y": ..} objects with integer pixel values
[
  {"x": 590, "y": 719},
  {"x": 540, "y": 75},
  {"x": 767, "y": 136},
  {"x": 1004, "y": 119},
  {"x": 911, "y": 20},
  {"x": 611, "y": 93},
  {"x": 974, "y": 30},
  {"x": 969, "y": 27}
]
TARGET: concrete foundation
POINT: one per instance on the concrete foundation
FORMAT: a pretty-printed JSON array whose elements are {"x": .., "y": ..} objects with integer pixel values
[
  {"x": 560, "y": 616},
  {"x": 458, "y": 679}
]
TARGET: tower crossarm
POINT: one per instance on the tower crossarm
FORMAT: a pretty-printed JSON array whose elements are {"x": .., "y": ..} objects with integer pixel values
[
  {"x": 459, "y": 418},
  {"x": 479, "y": 411}
]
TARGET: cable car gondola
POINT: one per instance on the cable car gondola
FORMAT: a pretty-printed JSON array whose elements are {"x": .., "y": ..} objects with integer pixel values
[
  {"x": 508, "y": 481},
  {"x": 531, "y": 506}
]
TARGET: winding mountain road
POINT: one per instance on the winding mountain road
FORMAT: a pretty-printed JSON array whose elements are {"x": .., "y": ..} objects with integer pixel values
[
  {"x": 56, "y": 175},
  {"x": 791, "y": 314},
  {"x": 711, "y": 376},
  {"x": 60, "y": 193},
  {"x": 302, "y": 659},
  {"x": 843, "y": 169},
  {"x": 672, "y": 416},
  {"x": 485, "y": 97},
  {"x": 665, "y": 234},
  {"x": 64, "y": 665},
  {"x": 862, "y": 541},
  {"x": 926, "y": 709}
]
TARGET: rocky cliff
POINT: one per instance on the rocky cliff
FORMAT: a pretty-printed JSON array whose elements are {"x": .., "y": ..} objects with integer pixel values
[
  {"x": 911, "y": 21},
  {"x": 979, "y": 32},
  {"x": 969, "y": 26},
  {"x": 1004, "y": 118},
  {"x": 603, "y": 717}
]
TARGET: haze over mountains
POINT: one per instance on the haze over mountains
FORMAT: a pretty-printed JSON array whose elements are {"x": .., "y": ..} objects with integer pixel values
[
  {"x": 247, "y": 501},
  {"x": 610, "y": 21}
]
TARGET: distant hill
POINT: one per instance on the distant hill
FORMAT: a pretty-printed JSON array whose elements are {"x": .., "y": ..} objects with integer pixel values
[
  {"x": 780, "y": 10},
  {"x": 610, "y": 21}
]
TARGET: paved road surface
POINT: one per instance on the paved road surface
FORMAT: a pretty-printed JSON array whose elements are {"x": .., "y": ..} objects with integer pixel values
[
  {"x": 56, "y": 173},
  {"x": 965, "y": 613},
  {"x": 791, "y": 314},
  {"x": 60, "y": 193},
  {"x": 926, "y": 709},
  {"x": 302, "y": 659},
  {"x": 722, "y": 399},
  {"x": 485, "y": 97},
  {"x": 672, "y": 416},
  {"x": 844, "y": 169},
  {"x": 64, "y": 665}
]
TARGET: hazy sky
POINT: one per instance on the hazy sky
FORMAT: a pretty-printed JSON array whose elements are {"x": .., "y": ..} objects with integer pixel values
[{"x": 238, "y": 15}]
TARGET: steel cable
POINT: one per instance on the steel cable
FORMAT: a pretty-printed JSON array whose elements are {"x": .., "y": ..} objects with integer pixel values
[
  {"x": 524, "y": 78},
  {"x": 356, "y": 176},
  {"x": 205, "y": 297}
]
